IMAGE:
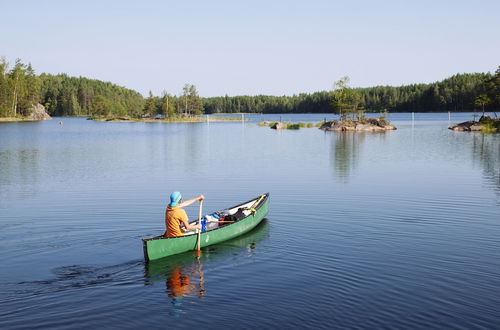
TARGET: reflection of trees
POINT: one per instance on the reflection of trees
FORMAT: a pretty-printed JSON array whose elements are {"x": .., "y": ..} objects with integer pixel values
[
  {"x": 486, "y": 148},
  {"x": 175, "y": 143},
  {"x": 193, "y": 141},
  {"x": 183, "y": 273},
  {"x": 344, "y": 153}
]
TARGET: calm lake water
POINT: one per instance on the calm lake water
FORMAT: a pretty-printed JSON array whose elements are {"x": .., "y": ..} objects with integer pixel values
[{"x": 399, "y": 230}]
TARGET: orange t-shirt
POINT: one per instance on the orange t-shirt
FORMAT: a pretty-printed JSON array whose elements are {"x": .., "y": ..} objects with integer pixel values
[{"x": 174, "y": 217}]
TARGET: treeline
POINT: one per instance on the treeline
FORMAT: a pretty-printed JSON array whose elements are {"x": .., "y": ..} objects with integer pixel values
[
  {"x": 62, "y": 95},
  {"x": 172, "y": 106},
  {"x": 21, "y": 88},
  {"x": 457, "y": 93},
  {"x": 319, "y": 102},
  {"x": 70, "y": 96}
]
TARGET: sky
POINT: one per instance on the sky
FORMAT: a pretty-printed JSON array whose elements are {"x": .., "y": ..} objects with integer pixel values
[{"x": 253, "y": 47}]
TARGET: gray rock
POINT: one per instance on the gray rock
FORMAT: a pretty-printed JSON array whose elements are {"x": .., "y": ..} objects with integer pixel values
[
  {"x": 365, "y": 127},
  {"x": 37, "y": 112},
  {"x": 371, "y": 125},
  {"x": 279, "y": 125},
  {"x": 462, "y": 127},
  {"x": 476, "y": 128}
]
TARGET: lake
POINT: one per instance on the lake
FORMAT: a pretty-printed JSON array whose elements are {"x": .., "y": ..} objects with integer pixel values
[{"x": 395, "y": 230}]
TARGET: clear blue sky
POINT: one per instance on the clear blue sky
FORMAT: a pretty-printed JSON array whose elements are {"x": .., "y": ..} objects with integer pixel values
[{"x": 253, "y": 47}]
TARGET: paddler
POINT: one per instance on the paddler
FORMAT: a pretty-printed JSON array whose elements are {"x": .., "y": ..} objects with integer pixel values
[{"x": 176, "y": 218}]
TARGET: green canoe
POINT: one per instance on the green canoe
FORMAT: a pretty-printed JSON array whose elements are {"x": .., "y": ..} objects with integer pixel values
[{"x": 250, "y": 214}]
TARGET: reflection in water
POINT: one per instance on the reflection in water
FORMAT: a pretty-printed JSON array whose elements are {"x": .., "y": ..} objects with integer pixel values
[
  {"x": 183, "y": 273},
  {"x": 344, "y": 153},
  {"x": 486, "y": 148},
  {"x": 192, "y": 144},
  {"x": 181, "y": 283},
  {"x": 22, "y": 164}
]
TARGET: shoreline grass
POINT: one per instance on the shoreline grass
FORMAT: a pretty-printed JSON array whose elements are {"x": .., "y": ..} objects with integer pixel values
[
  {"x": 15, "y": 119},
  {"x": 289, "y": 125},
  {"x": 200, "y": 119}
]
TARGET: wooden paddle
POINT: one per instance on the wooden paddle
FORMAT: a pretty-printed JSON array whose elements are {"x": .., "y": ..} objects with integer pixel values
[
  {"x": 257, "y": 202},
  {"x": 198, "y": 247}
]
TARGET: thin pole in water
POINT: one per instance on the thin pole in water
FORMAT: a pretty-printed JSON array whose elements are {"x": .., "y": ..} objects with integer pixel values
[{"x": 449, "y": 116}]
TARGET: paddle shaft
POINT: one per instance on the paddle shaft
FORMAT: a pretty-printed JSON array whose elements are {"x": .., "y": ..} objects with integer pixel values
[{"x": 198, "y": 247}]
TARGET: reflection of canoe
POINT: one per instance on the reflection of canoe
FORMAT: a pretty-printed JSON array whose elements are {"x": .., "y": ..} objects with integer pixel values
[
  {"x": 158, "y": 269},
  {"x": 252, "y": 214}
]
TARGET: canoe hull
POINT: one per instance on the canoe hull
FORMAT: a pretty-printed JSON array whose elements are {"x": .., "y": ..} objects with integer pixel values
[{"x": 156, "y": 248}]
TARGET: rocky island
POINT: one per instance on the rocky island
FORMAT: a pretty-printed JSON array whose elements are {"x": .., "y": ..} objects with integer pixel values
[
  {"x": 352, "y": 125},
  {"x": 365, "y": 125},
  {"x": 486, "y": 124}
]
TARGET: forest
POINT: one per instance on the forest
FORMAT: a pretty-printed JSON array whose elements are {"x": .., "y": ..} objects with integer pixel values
[
  {"x": 62, "y": 95},
  {"x": 21, "y": 88},
  {"x": 457, "y": 93}
]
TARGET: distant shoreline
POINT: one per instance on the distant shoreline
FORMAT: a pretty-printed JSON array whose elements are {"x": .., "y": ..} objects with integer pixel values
[
  {"x": 15, "y": 119},
  {"x": 200, "y": 119},
  {"x": 218, "y": 117}
]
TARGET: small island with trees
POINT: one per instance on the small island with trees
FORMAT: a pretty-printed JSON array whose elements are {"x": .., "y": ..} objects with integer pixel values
[
  {"x": 485, "y": 124},
  {"x": 347, "y": 103}
]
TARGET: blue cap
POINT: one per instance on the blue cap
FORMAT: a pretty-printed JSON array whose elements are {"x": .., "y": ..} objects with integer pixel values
[{"x": 175, "y": 197}]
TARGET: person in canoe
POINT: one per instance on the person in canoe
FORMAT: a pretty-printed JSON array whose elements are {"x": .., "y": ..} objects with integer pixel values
[{"x": 176, "y": 218}]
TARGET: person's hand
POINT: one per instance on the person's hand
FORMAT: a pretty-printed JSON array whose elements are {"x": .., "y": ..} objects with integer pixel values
[
  {"x": 201, "y": 197},
  {"x": 198, "y": 226}
]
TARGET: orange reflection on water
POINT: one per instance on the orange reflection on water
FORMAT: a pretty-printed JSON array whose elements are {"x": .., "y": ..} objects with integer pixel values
[{"x": 185, "y": 281}]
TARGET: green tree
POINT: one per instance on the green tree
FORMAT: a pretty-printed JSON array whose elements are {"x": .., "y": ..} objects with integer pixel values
[
  {"x": 33, "y": 86},
  {"x": 185, "y": 97},
  {"x": 494, "y": 89},
  {"x": 167, "y": 105},
  {"x": 18, "y": 87},
  {"x": 481, "y": 101},
  {"x": 345, "y": 100},
  {"x": 100, "y": 106},
  {"x": 193, "y": 104},
  {"x": 4, "y": 88},
  {"x": 150, "y": 106}
]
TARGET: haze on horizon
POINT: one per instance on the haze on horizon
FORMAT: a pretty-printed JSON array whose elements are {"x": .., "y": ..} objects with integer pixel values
[{"x": 257, "y": 47}]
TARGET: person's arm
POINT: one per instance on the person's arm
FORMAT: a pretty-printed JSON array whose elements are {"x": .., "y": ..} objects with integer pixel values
[
  {"x": 189, "y": 226},
  {"x": 191, "y": 201},
  {"x": 185, "y": 221}
]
